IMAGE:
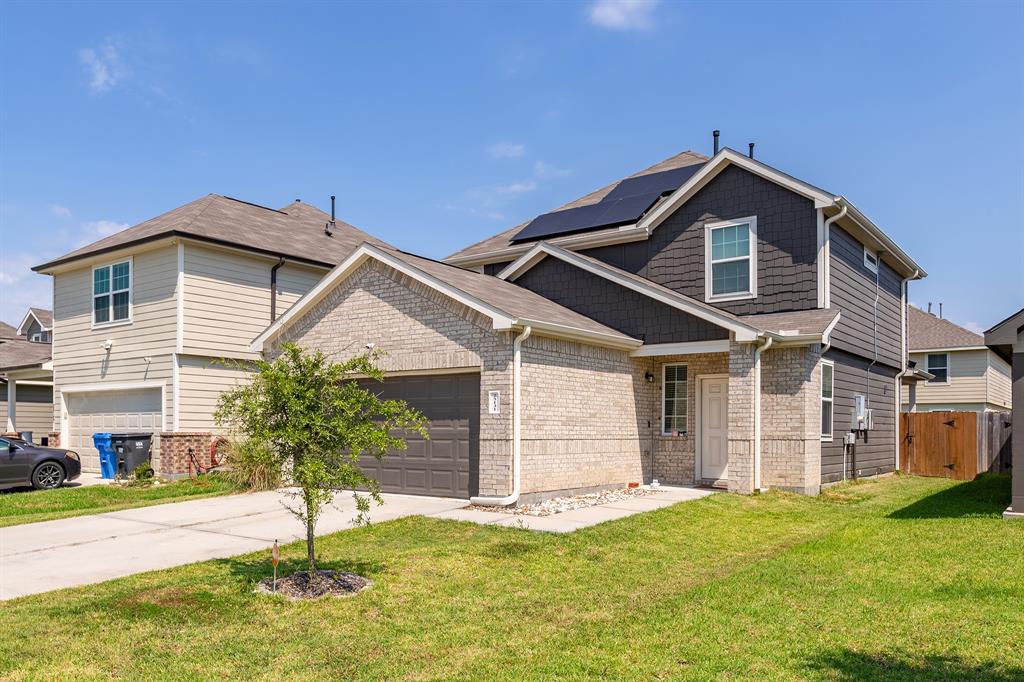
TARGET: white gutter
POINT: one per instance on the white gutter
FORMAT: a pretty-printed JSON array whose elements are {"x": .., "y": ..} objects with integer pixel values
[
  {"x": 511, "y": 498},
  {"x": 757, "y": 410}
]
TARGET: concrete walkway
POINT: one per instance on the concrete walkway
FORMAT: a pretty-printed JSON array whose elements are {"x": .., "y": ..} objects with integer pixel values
[{"x": 39, "y": 557}]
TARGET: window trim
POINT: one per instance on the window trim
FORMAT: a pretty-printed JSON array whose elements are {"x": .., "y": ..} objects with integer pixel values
[
  {"x": 827, "y": 438},
  {"x": 664, "y": 415},
  {"x": 927, "y": 368},
  {"x": 710, "y": 227},
  {"x": 131, "y": 294},
  {"x": 874, "y": 254}
]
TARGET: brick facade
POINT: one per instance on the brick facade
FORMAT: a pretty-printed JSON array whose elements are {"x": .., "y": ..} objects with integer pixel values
[
  {"x": 791, "y": 419},
  {"x": 741, "y": 418},
  {"x": 172, "y": 458}
]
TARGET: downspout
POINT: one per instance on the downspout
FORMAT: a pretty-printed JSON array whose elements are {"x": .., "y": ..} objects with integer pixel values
[
  {"x": 517, "y": 371},
  {"x": 757, "y": 410},
  {"x": 826, "y": 237},
  {"x": 273, "y": 290}
]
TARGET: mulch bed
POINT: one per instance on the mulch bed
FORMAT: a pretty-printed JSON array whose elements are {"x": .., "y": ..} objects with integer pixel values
[{"x": 299, "y": 586}]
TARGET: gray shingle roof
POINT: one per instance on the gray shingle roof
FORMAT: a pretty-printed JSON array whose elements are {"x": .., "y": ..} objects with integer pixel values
[
  {"x": 295, "y": 231},
  {"x": 44, "y": 316},
  {"x": 19, "y": 353},
  {"x": 7, "y": 331},
  {"x": 926, "y": 331},
  {"x": 503, "y": 239},
  {"x": 800, "y": 322}
]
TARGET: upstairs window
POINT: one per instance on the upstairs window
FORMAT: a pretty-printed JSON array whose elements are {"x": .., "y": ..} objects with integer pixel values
[
  {"x": 112, "y": 293},
  {"x": 674, "y": 399},
  {"x": 938, "y": 364},
  {"x": 827, "y": 380},
  {"x": 731, "y": 260},
  {"x": 870, "y": 259}
]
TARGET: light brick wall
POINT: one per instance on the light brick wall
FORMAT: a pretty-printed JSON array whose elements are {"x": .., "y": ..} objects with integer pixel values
[
  {"x": 791, "y": 419},
  {"x": 741, "y": 418},
  {"x": 584, "y": 416}
]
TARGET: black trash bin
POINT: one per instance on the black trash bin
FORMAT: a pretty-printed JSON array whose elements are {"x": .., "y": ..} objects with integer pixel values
[{"x": 132, "y": 450}]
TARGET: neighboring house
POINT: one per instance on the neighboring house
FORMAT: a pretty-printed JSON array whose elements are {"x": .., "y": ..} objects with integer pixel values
[
  {"x": 25, "y": 376},
  {"x": 150, "y": 324},
  {"x": 706, "y": 320},
  {"x": 1007, "y": 339},
  {"x": 966, "y": 375}
]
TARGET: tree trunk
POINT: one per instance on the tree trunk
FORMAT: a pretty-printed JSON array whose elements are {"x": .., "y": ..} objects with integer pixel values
[{"x": 310, "y": 553}]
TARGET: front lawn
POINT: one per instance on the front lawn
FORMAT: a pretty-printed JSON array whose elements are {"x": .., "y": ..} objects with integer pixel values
[
  {"x": 27, "y": 506},
  {"x": 899, "y": 579}
]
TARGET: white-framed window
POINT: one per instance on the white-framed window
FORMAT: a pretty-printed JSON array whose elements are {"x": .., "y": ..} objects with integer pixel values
[
  {"x": 674, "y": 399},
  {"x": 730, "y": 260},
  {"x": 828, "y": 378},
  {"x": 112, "y": 293},
  {"x": 39, "y": 336},
  {"x": 870, "y": 260},
  {"x": 938, "y": 364}
]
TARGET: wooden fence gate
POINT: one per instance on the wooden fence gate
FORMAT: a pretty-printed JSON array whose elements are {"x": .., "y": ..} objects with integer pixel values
[{"x": 957, "y": 445}]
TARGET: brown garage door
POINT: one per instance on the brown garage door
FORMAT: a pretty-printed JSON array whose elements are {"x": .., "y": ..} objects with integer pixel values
[{"x": 446, "y": 464}]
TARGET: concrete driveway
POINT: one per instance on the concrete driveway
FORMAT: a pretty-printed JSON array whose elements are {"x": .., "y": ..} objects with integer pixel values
[{"x": 39, "y": 557}]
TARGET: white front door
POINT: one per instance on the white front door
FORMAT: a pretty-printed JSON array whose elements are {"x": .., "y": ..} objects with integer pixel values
[{"x": 714, "y": 428}]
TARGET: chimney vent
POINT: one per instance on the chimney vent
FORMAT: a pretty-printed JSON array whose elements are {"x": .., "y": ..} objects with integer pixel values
[
  {"x": 716, "y": 133},
  {"x": 330, "y": 225},
  {"x": 929, "y": 307},
  {"x": 750, "y": 149},
  {"x": 940, "y": 310}
]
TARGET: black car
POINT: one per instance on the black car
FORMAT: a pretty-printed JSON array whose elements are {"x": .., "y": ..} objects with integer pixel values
[{"x": 23, "y": 463}]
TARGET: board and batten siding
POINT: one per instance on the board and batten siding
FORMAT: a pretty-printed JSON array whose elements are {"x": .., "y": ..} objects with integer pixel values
[
  {"x": 852, "y": 378},
  {"x": 140, "y": 351},
  {"x": 227, "y": 298},
  {"x": 202, "y": 380},
  {"x": 853, "y": 292},
  {"x": 976, "y": 377}
]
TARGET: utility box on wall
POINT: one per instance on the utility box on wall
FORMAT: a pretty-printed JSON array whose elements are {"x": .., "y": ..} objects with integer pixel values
[{"x": 862, "y": 418}]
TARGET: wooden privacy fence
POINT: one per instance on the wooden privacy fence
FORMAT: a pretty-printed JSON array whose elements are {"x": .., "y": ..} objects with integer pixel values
[{"x": 957, "y": 445}]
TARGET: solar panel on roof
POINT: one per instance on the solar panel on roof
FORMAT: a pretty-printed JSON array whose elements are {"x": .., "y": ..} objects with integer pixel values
[{"x": 629, "y": 200}]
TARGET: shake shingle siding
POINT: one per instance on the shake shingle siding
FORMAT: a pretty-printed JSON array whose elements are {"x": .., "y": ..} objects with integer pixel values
[
  {"x": 786, "y": 235},
  {"x": 620, "y": 308},
  {"x": 853, "y": 377},
  {"x": 853, "y": 292}
]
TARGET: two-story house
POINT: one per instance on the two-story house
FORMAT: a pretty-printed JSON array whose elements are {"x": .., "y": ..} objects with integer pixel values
[
  {"x": 705, "y": 320},
  {"x": 963, "y": 373},
  {"x": 151, "y": 324},
  {"x": 26, "y": 386}
]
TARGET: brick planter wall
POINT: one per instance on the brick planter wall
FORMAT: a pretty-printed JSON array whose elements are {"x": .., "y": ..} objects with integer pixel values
[
  {"x": 53, "y": 439},
  {"x": 173, "y": 460}
]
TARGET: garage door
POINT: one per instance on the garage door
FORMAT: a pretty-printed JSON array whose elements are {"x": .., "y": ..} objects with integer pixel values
[
  {"x": 446, "y": 464},
  {"x": 109, "y": 411}
]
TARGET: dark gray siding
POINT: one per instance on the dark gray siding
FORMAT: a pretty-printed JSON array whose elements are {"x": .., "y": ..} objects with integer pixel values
[
  {"x": 494, "y": 268},
  {"x": 853, "y": 292},
  {"x": 787, "y": 234},
  {"x": 878, "y": 454},
  {"x": 623, "y": 309}
]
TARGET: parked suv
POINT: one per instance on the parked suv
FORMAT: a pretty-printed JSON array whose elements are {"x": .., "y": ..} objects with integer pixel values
[{"x": 23, "y": 463}]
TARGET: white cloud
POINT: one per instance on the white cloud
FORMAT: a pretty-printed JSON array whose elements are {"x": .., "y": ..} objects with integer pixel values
[
  {"x": 59, "y": 211},
  {"x": 98, "y": 229},
  {"x": 506, "y": 150},
  {"x": 103, "y": 66},
  {"x": 623, "y": 15},
  {"x": 545, "y": 170},
  {"x": 974, "y": 327},
  {"x": 22, "y": 288}
]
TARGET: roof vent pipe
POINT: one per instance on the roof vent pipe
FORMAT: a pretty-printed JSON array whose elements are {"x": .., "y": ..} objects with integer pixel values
[
  {"x": 330, "y": 226},
  {"x": 716, "y": 133},
  {"x": 929, "y": 307},
  {"x": 940, "y": 310},
  {"x": 750, "y": 149}
]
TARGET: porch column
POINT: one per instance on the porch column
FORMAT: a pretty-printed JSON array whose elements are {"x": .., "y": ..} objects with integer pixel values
[
  {"x": 741, "y": 418},
  {"x": 12, "y": 403}
]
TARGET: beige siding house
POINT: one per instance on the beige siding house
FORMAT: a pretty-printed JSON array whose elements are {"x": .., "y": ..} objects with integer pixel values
[
  {"x": 967, "y": 376},
  {"x": 25, "y": 377},
  {"x": 153, "y": 323}
]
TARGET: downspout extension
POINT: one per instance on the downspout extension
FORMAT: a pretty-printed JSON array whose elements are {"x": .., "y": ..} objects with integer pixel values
[
  {"x": 757, "y": 411},
  {"x": 513, "y": 497},
  {"x": 273, "y": 290}
]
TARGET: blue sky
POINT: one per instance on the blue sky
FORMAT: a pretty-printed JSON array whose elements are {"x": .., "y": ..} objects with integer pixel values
[{"x": 440, "y": 124}]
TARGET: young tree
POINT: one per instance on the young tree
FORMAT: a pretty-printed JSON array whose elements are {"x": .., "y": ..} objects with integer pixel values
[{"x": 316, "y": 417}]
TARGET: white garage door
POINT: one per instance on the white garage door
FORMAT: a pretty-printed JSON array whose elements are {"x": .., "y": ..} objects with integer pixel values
[{"x": 109, "y": 411}]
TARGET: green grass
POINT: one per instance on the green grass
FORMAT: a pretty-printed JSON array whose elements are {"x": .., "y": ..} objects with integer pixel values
[
  {"x": 28, "y": 506},
  {"x": 898, "y": 579}
]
